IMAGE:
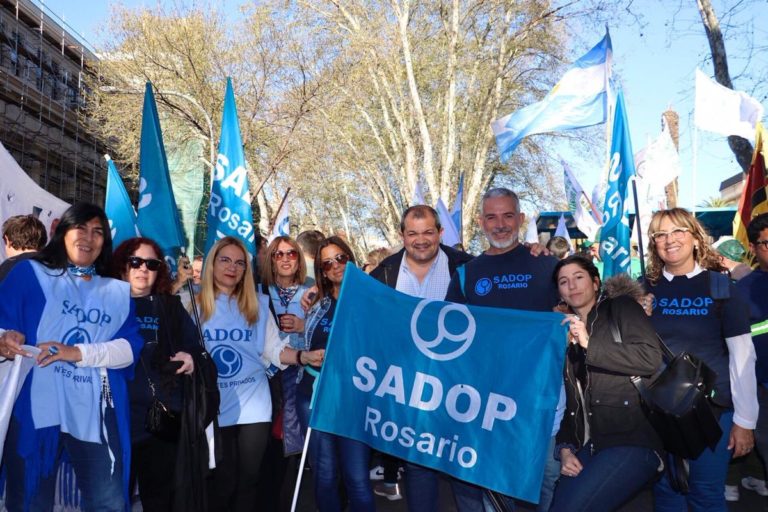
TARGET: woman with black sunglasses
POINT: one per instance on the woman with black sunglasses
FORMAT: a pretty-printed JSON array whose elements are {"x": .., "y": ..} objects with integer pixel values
[
  {"x": 169, "y": 337},
  {"x": 330, "y": 455}
]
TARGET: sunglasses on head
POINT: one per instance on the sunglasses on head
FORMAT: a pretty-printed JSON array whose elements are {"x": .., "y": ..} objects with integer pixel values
[
  {"x": 340, "y": 258},
  {"x": 136, "y": 262},
  {"x": 291, "y": 254}
]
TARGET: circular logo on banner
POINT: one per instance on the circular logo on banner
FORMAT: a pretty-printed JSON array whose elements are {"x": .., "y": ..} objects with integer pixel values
[
  {"x": 228, "y": 361},
  {"x": 483, "y": 286},
  {"x": 456, "y": 343},
  {"x": 76, "y": 335}
]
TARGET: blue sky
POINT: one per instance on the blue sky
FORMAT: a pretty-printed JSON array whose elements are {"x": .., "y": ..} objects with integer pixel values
[{"x": 655, "y": 61}]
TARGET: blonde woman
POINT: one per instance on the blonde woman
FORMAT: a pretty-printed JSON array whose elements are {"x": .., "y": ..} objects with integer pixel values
[
  {"x": 697, "y": 310},
  {"x": 243, "y": 341}
]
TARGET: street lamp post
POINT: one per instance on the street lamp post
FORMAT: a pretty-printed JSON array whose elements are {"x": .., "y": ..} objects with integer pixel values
[{"x": 108, "y": 89}]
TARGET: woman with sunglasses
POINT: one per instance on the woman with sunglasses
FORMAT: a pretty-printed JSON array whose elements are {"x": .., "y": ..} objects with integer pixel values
[
  {"x": 169, "y": 337},
  {"x": 684, "y": 278},
  {"x": 74, "y": 403},
  {"x": 243, "y": 341},
  {"x": 331, "y": 456},
  {"x": 283, "y": 278}
]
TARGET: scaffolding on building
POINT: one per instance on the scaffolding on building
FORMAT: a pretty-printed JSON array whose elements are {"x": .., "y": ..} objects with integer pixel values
[{"x": 42, "y": 96}]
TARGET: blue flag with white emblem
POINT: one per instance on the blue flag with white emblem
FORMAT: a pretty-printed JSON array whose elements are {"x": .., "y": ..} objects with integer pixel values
[
  {"x": 158, "y": 217},
  {"x": 118, "y": 207},
  {"x": 614, "y": 238},
  {"x": 469, "y": 391},
  {"x": 229, "y": 212}
]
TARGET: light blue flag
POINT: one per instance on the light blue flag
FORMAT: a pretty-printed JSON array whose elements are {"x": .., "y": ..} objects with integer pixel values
[
  {"x": 446, "y": 386},
  {"x": 578, "y": 100},
  {"x": 450, "y": 233},
  {"x": 118, "y": 207},
  {"x": 457, "y": 208},
  {"x": 158, "y": 217},
  {"x": 614, "y": 237},
  {"x": 229, "y": 212}
]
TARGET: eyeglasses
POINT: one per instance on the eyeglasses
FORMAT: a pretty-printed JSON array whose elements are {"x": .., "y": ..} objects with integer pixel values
[
  {"x": 291, "y": 255},
  {"x": 673, "y": 234},
  {"x": 152, "y": 264},
  {"x": 227, "y": 262},
  {"x": 764, "y": 243},
  {"x": 340, "y": 258}
]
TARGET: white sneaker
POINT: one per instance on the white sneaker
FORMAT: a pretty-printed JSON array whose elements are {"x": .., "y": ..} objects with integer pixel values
[
  {"x": 389, "y": 491},
  {"x": 755, "y": 484},
  {"x": 731, "y": 493},
  {"x": 377, "y": 473}
]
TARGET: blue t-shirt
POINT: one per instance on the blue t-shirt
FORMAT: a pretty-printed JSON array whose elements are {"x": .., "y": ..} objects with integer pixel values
[
  {"x": 754, "y": 289},
  {"x": 512, "y": 280},
  {"x": 688, "y": 319}
]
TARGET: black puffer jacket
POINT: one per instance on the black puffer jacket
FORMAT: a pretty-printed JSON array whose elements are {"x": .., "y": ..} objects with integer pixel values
[{"x": 611, "y": 402}]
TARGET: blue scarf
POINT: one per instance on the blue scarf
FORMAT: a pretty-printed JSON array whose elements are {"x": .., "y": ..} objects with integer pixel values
[{"x": 76, "y": 271}]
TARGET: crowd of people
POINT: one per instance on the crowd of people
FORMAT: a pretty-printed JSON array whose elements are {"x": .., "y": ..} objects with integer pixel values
[{"x": 142, "y": 381}]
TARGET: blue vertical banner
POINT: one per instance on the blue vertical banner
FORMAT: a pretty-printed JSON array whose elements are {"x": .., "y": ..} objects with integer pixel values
[
  {"x": 456, "y": 215},
  {"x": 615, "y": 250},
  {"x": 446, "y": 386},
  {"x": 229, "y": 212},
  {"x": 158, "y": 217},
  {"x": 117, "y": 205}
]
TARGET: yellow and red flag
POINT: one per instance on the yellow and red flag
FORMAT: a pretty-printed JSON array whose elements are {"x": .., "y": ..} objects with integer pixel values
[{"x": 754, "y": 197}]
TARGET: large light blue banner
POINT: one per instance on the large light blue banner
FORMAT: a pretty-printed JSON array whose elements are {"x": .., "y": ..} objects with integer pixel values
[
  {"x": 469, "y": 391},
  {"x": 229, "y": 212},
  {"x": 614, "y": 237}
]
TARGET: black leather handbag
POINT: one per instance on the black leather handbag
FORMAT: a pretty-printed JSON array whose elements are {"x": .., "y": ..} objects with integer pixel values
[
  {"x": 160, "y": 421},
  {"x": 677, "y": 402}
]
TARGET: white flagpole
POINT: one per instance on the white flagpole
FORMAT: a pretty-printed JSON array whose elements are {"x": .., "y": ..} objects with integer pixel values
[
  {"x": 301, "y": 470},
  {"x": 695, "y": 164}
]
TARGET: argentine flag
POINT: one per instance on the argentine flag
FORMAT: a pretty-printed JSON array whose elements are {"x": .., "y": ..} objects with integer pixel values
[{"x": 578, "y": 100}]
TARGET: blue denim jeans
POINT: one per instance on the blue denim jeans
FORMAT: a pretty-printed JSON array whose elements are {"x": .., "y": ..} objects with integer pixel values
[
  {"x": 101, "y": 488},
  {"x": 332, "y": 456},
  {"x": 470, "y": 498},
  {"x": 761, "y": 431},
  {"x": 609, "y": 478},
  {"x": 706, "y": 480}
]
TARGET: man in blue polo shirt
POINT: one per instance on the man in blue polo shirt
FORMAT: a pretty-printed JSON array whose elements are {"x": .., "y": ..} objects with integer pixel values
[
  {"x": 753, "y": 288},
  {"x": 507, "y": 275}
]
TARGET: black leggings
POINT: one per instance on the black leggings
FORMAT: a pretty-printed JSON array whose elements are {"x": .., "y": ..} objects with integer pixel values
[{"x": 233, "y": 485}]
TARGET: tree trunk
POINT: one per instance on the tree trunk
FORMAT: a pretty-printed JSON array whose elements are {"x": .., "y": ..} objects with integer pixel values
[{"x": 740, "y": 146}]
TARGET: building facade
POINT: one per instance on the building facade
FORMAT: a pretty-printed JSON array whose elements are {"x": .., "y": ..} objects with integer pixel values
[{"x": 43, "y": 66}]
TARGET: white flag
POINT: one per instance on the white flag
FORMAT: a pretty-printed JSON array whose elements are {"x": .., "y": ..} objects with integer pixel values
[
  {"x": 584, "y": 214},
  {"x": 562, "y": 231},
  {"x": 532, "y": 234},
  {"x": 725, "y": 111},
  {"x": 418, "y": 195},
  {"x": 450, "y": 234},
  {"x": 20, "y": 195},
  {"x": 658, "y": 163},
  {"x": 282, "y": 225}
]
